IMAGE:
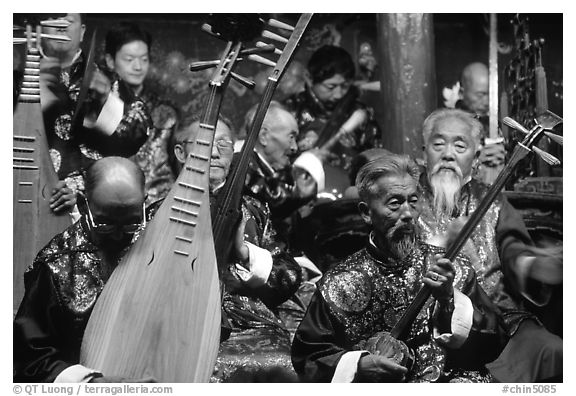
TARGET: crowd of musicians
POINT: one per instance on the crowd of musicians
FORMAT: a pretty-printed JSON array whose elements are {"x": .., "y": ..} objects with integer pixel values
[{"x": 286, "y": 318}]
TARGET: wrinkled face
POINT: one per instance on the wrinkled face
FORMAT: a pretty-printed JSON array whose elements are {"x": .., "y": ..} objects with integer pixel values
[
  {"x": 475, "y": 95},
  {"x": 131, "y": 63},
  {"x": 222, "y": 151},
  {"x": 392, "y": 209},
  {"x": 450, "y": 148},
  {"x": 280, "y": 140},
  {"x": 75, "y": 32},
  {"x": 116, "y": 214},
  {"x": 331, "y": 90}
]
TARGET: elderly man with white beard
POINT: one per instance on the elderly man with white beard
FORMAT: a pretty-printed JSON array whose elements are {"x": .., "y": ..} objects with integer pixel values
[{"x": 509, "y": 267}]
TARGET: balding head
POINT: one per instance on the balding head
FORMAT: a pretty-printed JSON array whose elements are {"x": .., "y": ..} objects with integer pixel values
[
  {"x": 117, "y": 175},
  {"x": 474, "y": 88},
  {"x": 115, "y": 193},
  {"x": 277, "y": 137}
]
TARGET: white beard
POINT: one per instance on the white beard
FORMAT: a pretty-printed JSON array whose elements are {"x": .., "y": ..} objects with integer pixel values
[
  {"x": 446, "y": 190},
  {"x": 402, "y": 244}
]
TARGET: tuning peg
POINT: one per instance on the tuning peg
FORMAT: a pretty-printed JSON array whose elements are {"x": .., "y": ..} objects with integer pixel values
[
  {"x": 16, "y": 27},
  {"x": 262, "y": 49},
  {"x": 243, "y": 80},
  {"x": 56, "y": 23},
  {"x": 274, "y": 36},
  {"x": 556, "y": 138},
  {"x": 52, "y": 36},
  {"x": 262, "y": 44},
  {"x": 208, "y": 29},
  {"x": 515, "y": 125},
  {"x": 281, "y": 25},
  {"x": 203, "y": 65},
  {"x": 546, "y": 157},
  {"x": 262, "y": 60}
]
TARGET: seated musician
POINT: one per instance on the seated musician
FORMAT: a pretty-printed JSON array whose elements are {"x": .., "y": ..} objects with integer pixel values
[
  {"x": 330, "y": 101},
  {"x": 116, "y": 121},
  {"x": 509, "y": 267},
  {"x": 343, "y": 337},
  {"x": 67, "y": 276},
  {"x": 473, "y": 97},
  {"x": 259, "y": 276}
]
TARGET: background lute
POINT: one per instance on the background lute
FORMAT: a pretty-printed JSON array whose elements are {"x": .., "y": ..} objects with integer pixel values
[
  {"x": 33, "y": 174},
  {"x": 159, "y": 314}
]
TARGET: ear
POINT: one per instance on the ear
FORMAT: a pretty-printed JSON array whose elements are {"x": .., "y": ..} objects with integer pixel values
[
  {"x": 83, "y": 30},
  {"x": 263, "y": 136},
  {"x": 109, "y": 62},
  {"x": 180, "y": 153},
  {"x": 461, "y": 93},
  {"x": 365, "y": 212}
]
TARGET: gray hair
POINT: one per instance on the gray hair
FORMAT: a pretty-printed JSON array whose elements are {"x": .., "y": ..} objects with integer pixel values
[
  {"x": 386, "y": 165},
  {"x": 270, "y": 118},
  {"x": 475, "y": 127}
]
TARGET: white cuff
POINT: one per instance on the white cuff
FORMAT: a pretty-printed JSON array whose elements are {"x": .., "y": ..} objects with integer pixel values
[
  {"x": 76, "y": 373},
  {"x": 260, "y": 264},
  {"x": 347, "y": 366},
  {"x": 314, "y": 273},
  {"x": 461, "y": 322},
  {"x": 110, "y": 115}
]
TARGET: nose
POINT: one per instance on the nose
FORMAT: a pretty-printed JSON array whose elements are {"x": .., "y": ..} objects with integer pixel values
[
  {"x": 338, "y": 92},
  {"x": 406, "y": 214},
  {"x": 137, "y": 64},
  {"x": 449, "y": 153},
  {"x": 215, "y": 151}
]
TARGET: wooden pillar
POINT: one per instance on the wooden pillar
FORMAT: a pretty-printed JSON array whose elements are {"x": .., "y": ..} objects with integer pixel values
[{"x": 408, "y": 79}]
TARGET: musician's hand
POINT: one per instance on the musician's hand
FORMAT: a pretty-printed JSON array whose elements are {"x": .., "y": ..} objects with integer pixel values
[
  {"x": 240, "y": 249},
  {"x": 100, "y": 87},
  {"x": 308, "y": 141},
  {"x": 347, "y": 138},
  {"x": 492, "y": 155},
  {"x": 117, "y": 379},
  {"x": 440, "y": 278},
  {"x": 376, "y": 368},
  {"x": 63, "y": 198},
  {"x": 544, "y": 264}
]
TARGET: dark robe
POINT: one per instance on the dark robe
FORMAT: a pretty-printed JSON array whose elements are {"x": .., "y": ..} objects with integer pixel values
[{"x": 367, "y": 293}]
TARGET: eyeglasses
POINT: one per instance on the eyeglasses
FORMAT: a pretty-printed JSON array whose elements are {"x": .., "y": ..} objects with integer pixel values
[
  {"x": 104, "y": 228},
  {"x": 222, "y": 144}
]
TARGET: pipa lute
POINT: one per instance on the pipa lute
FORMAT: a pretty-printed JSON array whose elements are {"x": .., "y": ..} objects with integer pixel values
[
  {"x": 228, "y": 211},
  {"x": 159, "y": 313},
  {"x": 33, "y": 174}
]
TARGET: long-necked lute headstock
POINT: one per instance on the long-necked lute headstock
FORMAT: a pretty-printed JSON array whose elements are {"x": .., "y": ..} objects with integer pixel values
[{"x": 228, "y": 206}]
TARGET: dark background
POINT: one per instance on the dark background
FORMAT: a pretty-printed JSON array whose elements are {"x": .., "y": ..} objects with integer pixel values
[{"x": 459, "y": 40}]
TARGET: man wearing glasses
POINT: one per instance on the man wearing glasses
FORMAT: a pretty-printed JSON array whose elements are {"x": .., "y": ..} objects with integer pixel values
[
  {"x": 69, "y": 273},
  {"x": 259, "y": 274}
]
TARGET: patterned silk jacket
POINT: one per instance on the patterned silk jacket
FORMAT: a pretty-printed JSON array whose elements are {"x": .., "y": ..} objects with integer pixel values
[
  {"x": 499, "y": 238},
  {"x": 73, "y": 151},
  {"x": 367, "y": 293},
  {"x": 312, "y": 115},
  {"x": 62, "y": 286}
]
